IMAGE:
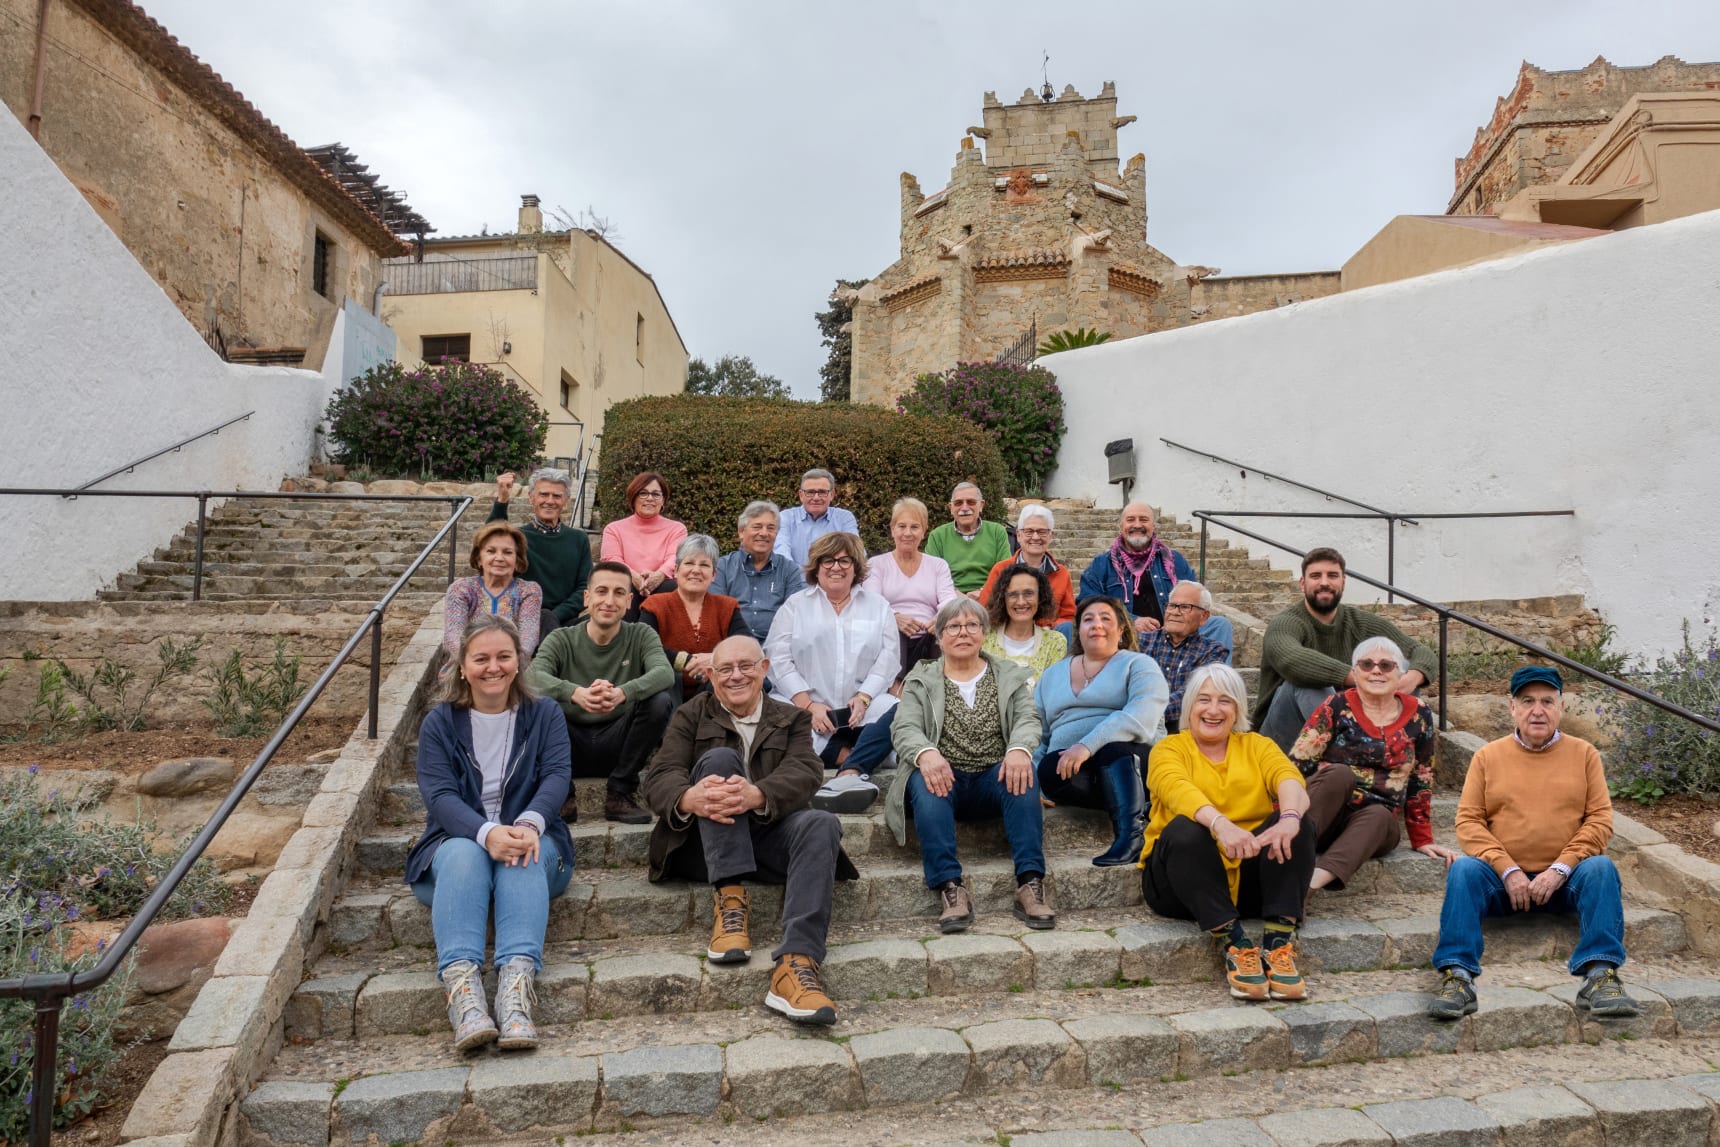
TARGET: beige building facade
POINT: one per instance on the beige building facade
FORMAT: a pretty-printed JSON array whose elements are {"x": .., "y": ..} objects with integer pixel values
[
  {"x": 562, "y": 313},
  {"x": 251, "y": 239},
  {"x": 1038, "y": 230}
]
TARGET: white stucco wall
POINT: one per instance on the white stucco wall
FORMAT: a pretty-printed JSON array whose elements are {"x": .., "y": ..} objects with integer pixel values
[
  {"x": 1585, "y": 377},
  {"x": 97, "y": 368}
]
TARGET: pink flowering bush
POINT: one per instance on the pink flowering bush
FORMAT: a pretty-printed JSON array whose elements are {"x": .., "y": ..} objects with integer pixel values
[
  {"x": 455, "y": 420},
  {"x": 1019, "y": 406}
]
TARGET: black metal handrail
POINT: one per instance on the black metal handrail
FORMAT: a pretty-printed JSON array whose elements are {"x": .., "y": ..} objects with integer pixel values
[
  {"x": 1373, "y": 511},
  {"x": 1446, "y": 614},
  {"x": 136, "y": 462},
  {"x": 51, "y": 991}
]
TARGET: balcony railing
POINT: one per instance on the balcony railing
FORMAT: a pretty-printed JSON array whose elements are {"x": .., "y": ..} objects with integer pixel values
[{"x": 457, "y": 276}]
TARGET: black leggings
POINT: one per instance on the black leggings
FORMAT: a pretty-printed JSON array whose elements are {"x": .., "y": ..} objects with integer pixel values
[
  {"x": 1185, "y": 879},
  {"x": 1084, "y": 789}
]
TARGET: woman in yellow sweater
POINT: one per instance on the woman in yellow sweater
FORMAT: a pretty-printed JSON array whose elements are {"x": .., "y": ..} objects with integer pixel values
[{"x": 1227, "y": 837}]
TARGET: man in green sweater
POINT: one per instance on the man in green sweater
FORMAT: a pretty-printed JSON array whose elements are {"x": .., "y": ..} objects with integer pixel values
[
  {"x": 612, "y": 682},
  {"x": 1306, "y": 654},
  {"x": 970, "y": 544},
  {"x": 558, "y": 556}
]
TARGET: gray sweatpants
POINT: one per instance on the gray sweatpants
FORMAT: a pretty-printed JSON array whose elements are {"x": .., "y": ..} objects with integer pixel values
[{"x": 797, "y": 851}]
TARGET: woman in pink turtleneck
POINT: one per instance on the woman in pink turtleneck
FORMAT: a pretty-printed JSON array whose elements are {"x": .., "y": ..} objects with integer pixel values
[{"x": 645, "y": 540}]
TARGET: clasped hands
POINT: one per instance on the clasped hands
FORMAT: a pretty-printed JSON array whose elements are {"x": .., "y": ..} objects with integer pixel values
[
  {"x": 1238, "y": 843},
  {"x": 513, "y": 845},
  {"x": 598, "y": 697},
  {"x": 1524, "y": 892},
  {"x": 721, "y": 799}
]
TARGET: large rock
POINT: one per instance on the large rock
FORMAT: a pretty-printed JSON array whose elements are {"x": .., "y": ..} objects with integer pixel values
[
  {"x": 187, "y": 777},
  {"x": 173, "y": 962}
]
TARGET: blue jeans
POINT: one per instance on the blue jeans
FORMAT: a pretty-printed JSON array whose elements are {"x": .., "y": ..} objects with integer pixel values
[
  {"x": 976, "y": 796},
  {"x": 874, "y": 746},
  {"x": 1473, "y": 891},
  {"x": 469, "y": 879}
]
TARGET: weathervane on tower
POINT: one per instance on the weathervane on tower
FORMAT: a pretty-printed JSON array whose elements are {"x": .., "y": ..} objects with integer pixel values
[{"x": 1046, "y": 95}]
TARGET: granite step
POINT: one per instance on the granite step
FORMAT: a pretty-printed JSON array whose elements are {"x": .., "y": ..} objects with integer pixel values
[{"x": 593, "y": 1074}]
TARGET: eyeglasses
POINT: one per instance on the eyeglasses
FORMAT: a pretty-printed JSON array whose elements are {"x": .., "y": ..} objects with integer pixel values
[
  {"x": 1183, "y": 607},
  {"x": 1022, "y": 595},
  {"x": 815, "y": 493},
  {"x": 964, "y": 627},
  {"x": 836, "y": 563},
  {"x": 736, "y": 669},
  {"x": 649, "y": 494},
  {"x": 1033, "y": 533},
  {"x": 1369, "y": 665}
]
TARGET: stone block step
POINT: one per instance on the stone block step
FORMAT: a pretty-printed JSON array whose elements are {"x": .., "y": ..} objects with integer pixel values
[
  {"x": 622, "y": 979},
  {"x": 604, "y": 1074}
]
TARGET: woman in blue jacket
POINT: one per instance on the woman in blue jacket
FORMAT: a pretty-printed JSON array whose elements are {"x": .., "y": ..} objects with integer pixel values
[
  {"x": 494, "y": 768},
  {"x": 1101, "y": 710}
]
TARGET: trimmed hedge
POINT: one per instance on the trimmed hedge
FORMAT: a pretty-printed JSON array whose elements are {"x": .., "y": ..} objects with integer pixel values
[{"x": 718, "y": 454}]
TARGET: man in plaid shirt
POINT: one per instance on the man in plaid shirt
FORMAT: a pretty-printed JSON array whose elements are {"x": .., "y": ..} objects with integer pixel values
[{"x": 1178, "y": 646}]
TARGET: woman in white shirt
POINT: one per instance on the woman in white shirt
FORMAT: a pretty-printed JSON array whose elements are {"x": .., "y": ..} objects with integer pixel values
[
  {"x": 833, "y": 652},
  {"x": 915, "y": 584}
]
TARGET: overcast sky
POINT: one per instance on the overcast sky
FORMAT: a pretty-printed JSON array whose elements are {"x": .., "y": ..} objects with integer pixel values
[{"x": 748, "y": 153}]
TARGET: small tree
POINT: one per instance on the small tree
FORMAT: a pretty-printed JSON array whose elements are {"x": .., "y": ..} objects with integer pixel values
[
  {"x": 734, "y": 376},
  {"x": 454, "y": 420},
  {"x": 836, "y": 375},
  {"x": 1070, "y": 340},
  {"x": 1020, "y": 406}
]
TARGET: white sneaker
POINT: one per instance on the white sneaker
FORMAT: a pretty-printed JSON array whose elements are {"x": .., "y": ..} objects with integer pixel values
[{"x": 846, "y": 794}]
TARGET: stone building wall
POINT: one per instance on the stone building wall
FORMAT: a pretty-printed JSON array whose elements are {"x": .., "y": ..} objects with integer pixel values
[
  {"x": 1224, "y": 298},
  {"x": 1550, "y": 118},
  {"x": 216, "y": 204}
]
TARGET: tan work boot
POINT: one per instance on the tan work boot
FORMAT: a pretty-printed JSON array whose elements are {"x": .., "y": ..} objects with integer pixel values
[
  {"x": 1030, "y": 906},
  {"x": 956, "y": 913},
  {"x": 797, "y": 993},
  {"x": 731, "y": 943}
]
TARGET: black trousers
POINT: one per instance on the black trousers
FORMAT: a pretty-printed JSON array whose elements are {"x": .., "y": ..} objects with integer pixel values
[
  {"x": 620, "y": 749},
  {"x": 1185, "y": 877},
  {"x": 1084, "y": 789}
]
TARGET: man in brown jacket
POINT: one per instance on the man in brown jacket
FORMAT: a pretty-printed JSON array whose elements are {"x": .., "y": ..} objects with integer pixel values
[
  {"x": 1534, "y": 819},
  {"x": 731, "y": 787}
]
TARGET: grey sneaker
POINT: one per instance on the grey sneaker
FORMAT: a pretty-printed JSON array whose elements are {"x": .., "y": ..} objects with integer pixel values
[
  {"x": 1455, "y": 998},
  {"x": 1604, "y": 995},
  {"x": 516, "y": 994},
  {"x": 955, "y": 908},
  {"x": 463, "y": 983}
]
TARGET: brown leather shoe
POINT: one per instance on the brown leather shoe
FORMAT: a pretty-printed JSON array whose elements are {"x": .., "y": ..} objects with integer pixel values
[
  {"x": 957, "y": 907},
  {"x": 731, "y": 942},
  {"x": 623, "y": 809},
  {"x": 1030, "y": 906},
  {"x": 796, "y": 992}
]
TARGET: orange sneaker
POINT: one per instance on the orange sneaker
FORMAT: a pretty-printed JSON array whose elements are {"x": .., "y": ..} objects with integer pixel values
[
  {"x": 797, "y": 992},
  {"x": 1243, "y": 969},
  {"x": 1283, "y": 981},
  {"x": 731, "y": 943}
]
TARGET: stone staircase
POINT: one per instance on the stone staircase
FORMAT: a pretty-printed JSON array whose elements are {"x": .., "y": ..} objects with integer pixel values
[
  {"x": 270, "y": 550},
  {"x": 1117, "y": 1019}
]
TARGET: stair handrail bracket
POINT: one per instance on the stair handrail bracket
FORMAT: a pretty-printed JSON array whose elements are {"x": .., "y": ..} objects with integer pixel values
[{"x": 49, "y": 992}]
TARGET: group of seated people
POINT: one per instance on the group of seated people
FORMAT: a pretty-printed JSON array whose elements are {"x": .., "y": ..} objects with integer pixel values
[{"x": 717, "y": 716}]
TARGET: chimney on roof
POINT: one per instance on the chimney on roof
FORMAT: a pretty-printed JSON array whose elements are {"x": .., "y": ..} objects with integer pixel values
[{"x": 531, "y": 216}]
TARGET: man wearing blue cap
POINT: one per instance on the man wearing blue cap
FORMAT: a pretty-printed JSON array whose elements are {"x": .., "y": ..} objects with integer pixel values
[{"x": 1534, "y": 819}]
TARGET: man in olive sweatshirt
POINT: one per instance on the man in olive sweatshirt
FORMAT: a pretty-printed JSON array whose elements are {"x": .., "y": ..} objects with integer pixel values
[
  {"x": 558, "y": 554},
  {"x": 1534, "y": 818},
  {"x": 1306, "y": 654},
  {"x": 612, "y": 681}
]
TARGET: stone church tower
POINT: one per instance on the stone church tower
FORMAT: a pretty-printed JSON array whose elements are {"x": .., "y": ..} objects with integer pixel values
[{"x": 1041, "y": 229}]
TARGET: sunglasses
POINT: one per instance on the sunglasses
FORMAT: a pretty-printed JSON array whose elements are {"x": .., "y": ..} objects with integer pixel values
[{"x": 1369, "y": 665}]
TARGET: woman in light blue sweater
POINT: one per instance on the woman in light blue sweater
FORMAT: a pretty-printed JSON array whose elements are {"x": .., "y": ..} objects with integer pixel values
[{"x": 1102, "y": 710}]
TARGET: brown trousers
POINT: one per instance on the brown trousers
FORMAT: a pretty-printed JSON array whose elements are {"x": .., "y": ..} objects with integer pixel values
[{"x": 1349, "y": 835}]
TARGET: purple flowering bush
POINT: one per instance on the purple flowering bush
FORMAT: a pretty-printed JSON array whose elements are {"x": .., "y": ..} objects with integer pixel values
[
  {"x": 1657, "y": 753},
  {"x": 59, "y": 865},
  {"x": 1019, "y": 406},
  {"x": 456, "y": 421}
]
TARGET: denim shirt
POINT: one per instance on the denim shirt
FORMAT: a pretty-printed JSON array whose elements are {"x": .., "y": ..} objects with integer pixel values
[{"x": 760, "y": 592}]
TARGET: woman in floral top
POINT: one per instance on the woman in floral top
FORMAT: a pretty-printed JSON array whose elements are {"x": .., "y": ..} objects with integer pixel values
[
  {"x": 499, "y": 556},
  {"x": 1368, "y": 751}
]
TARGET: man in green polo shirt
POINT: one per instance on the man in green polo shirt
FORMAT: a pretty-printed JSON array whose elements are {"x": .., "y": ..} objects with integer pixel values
[{"x": 969, "y": 543}]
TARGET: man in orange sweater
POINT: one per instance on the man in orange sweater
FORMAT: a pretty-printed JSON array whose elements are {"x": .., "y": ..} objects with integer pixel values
[{"x": 1534, "y": 820}]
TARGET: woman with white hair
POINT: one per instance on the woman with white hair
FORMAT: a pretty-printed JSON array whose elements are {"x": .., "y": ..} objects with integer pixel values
[
  {"x": 1034, "y": 529},
  {"x": 690, "y": 620},
  {"x": 1367, "y": 752},
  {"x": 1228, "y": 837}
]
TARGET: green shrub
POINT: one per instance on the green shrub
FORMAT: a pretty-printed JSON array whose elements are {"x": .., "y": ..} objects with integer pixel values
[
  {"x": 717, "y": 454},
  {"x": 109, "y": 702},
  {"x": 1655, "y": 752},
  {"x": 1020, "y": 406},
  {"x": 1059, "y": 341},
  {"x": 244, "y": 706},
  {"x": 457, "y": 421}
]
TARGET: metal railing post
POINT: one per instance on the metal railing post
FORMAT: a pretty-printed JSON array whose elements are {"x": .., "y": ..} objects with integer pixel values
[
  {"x": 197, "y": 568},
  {"x": 1444, "y": 717},
  {"x": 1391, "y": 557},
  {"x": 44, "y": 1069},
  {"x": 375, "y": 671},
  {"x": 453, "y": 544},
  {"x": 1202, "y": 575}
]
